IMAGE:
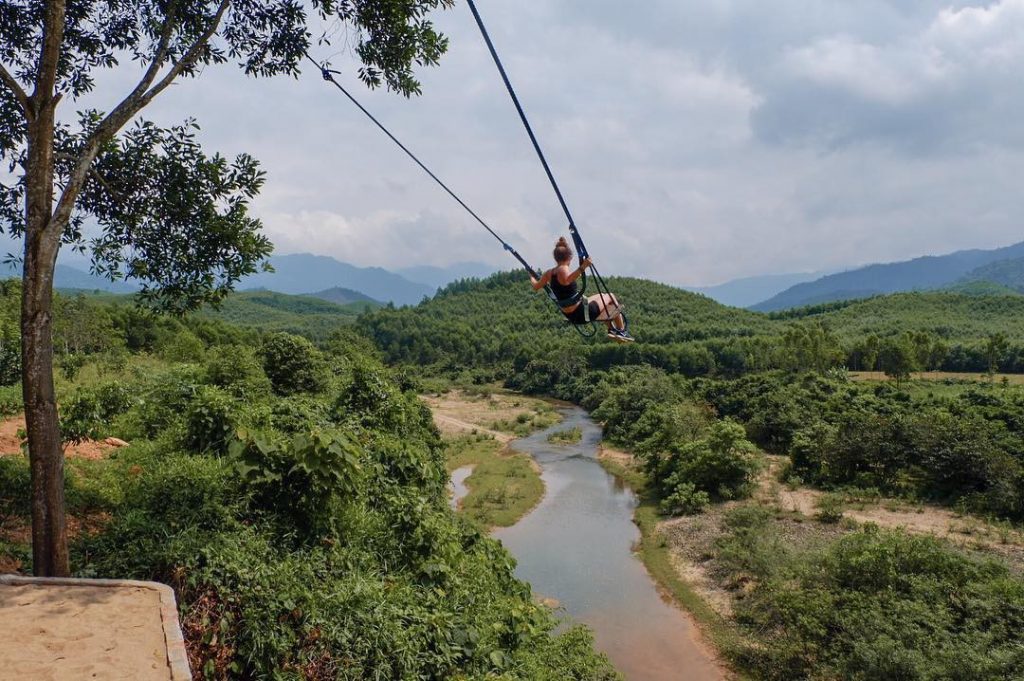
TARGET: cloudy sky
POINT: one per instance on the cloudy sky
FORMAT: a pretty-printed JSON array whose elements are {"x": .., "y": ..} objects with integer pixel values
[{"x": 696, "y": 140}]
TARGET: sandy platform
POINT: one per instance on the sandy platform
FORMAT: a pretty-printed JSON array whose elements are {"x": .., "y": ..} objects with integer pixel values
[{"x": 88, "y": 629}]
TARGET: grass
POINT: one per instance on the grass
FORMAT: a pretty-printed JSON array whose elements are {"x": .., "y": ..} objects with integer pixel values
[
  {"x": 544, "y": 416},
  {"x": 566, "y": 437},
  {"x": 654, "y": 553},
  {"x": 504, "y": 485}
]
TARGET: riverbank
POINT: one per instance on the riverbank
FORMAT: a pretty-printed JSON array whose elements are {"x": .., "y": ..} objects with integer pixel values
[
  {"x": 504, "y": 485},
  {"x": 719, "y": 637},
  {"x": 477, "y": 427},
  {"x": 757, "y": 573}
]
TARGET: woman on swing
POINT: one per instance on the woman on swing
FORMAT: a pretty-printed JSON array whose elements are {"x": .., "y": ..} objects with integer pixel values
[{"x": 577, "y": 308}]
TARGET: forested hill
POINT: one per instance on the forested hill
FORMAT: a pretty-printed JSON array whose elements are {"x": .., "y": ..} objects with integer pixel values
[
  {"x": 499, "y": 324},
  {"x": 952, "y": 315},
  {"x": 491, "y": 320},
  {"x": 1008, "y": 273}
]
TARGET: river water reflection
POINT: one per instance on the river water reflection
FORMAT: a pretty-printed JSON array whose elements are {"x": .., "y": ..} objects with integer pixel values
[{"x": 576, "y": 546}]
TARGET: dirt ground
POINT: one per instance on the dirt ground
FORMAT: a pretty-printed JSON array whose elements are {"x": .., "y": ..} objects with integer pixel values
[
  {"x": 623, "y": 459},
  {"x": 11, "y": 431},
  {"x": 458, "y": 413},
  {"x": 60, "y": 633},
  {"x": 691, "y": 539},
  {"x": 1013, "y": 379}
]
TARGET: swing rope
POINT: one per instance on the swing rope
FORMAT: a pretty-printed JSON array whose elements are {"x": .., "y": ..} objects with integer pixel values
[
  {"x": 581, "y": 248},
  {"x": 328, "y": 75}
]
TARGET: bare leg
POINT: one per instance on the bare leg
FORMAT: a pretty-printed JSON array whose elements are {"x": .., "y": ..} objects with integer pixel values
[{"x": 608, "y": 310}]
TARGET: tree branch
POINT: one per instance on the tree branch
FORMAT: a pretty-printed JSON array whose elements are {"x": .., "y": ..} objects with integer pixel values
[
  {"x": 19, "y": 92},
  {"x": 189, "y": 57},
  {"x": 154, "y": 66},
  {"x": 49, "y": 58},
  {"x": 131, "y": 105}
]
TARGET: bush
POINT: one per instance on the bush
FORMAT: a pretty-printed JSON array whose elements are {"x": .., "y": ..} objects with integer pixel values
[
  {"x": 15, "y": 487},
  {"x": 296, "y": 414},
  {"x": 371, "y": 400},
  {"x": 10, "y": 355},
  {"x": 830, "y": 508},
  {"x": 237, "y": 370},
  {"x": 293, "y": 365},
  {"x": 305, "y": 479},
  {"x": 211, "y": 421},
  {"x": 183, "y": 346},
  {"x": 88, "y": 413},
  {"x": 886, "y": 605},
  {"x": 683, "y": 498},
  {"x": 720, "y": 467}
]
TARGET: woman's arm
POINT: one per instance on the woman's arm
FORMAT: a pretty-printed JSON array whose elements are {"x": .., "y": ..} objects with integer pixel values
[
  {"x": 567, "y": 277},
  {"x": 538, "y": 284}
]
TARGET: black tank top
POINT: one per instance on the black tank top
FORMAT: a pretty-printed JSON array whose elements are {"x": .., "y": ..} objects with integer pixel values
[{"x": 563, "y": 292}]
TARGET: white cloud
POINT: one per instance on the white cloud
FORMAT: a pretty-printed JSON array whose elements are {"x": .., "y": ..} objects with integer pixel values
[{"x": 695, "y": 141}]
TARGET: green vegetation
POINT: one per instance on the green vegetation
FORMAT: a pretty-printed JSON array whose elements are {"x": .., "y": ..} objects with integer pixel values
[
  {"x": 569, "y": 436},
  {"x": 500, "y": 328},
  {"x": 544, "y": 416},
  {"x": 872, "y": 604},
  {"x": 266, "y": 311},
  {"x": 294, "y": 497},
  {"x": 708, "y": 386},
  {"x": 504, "y": 485}
]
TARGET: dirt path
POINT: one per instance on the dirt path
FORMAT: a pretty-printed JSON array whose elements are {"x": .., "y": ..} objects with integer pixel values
[
  {"x": 450, "y": 424},
  {"x": 965, "y": 531},
  {"x": 12, "y": 430}
]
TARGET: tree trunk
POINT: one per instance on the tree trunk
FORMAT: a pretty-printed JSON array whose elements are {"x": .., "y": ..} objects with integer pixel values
[{"x": 46, "y": 456}]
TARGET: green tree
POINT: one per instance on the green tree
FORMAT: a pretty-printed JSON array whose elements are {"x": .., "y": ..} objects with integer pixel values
[
  {"x": 292, "y": 364},
  {"x": 169, "y": 215},
  {"x": 898, "y": 359},
  {"x": 995, "y": 349},
  {"x": 810, "y": 347}
]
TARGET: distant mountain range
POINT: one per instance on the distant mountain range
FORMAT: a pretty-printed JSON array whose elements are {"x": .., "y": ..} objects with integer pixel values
[
  {"x": 1004, "y": 266},
  {"x": 68, "y": 277},
  {"x": 979, "y": 272},
  {"x": 1008, "y": 273},
  {"x": 304, "y": 272},
  {"x": 751, "y": 290}
]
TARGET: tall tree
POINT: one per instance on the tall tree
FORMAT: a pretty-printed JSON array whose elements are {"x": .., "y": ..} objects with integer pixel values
[{"x": 166, "y": 213}]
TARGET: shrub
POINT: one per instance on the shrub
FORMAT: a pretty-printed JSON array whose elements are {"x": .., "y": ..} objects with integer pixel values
[
  {"x": 880, "y": 604},
  {"x": 719, "y": 467},
  {"x": 370, "y": 399},
  {"x": 10, "y": 354},
  {"x": 295, "y": 414},
  {"x": 683, "y": 498},
  {"x": 293, "y": 365},
  {"x": 70, "y": 364},
  {"x": 183, "y": 346},
  {"x": 304, "y": 479},
  {"x": 163, "y": 400},
  {"x": 237, "y": 369},
  {"x": 211, "y": 421},
  {"x": 88, "y": 413},
  {"x": 830, "y": 508},
  {"x": 15, "y": 487}
]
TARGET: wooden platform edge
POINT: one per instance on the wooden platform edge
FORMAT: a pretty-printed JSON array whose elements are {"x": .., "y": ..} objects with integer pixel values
[{"x": 177, "y": 657}]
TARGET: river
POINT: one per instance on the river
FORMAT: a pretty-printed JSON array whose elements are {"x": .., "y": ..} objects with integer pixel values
[{"x": 577, "y": 547}]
